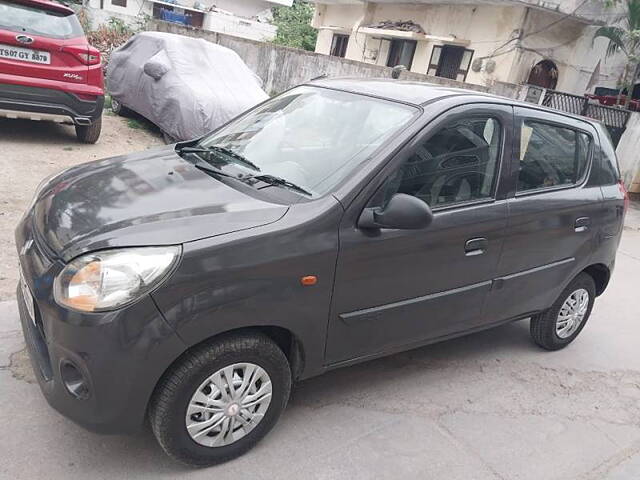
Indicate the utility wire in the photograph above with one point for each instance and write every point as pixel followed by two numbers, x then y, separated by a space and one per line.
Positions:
pixel 521 37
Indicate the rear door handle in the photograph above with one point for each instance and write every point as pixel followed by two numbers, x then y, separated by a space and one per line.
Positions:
pixel 475 246
pixel 582 224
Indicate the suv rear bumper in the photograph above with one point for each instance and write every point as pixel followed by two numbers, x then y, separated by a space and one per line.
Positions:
pixel 35 103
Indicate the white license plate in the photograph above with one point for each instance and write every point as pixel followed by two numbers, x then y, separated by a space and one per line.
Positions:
pixel 28 298
pixel 24 54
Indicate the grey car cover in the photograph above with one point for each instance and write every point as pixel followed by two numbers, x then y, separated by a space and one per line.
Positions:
pixel 187 86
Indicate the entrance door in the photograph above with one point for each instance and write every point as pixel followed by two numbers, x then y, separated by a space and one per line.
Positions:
pixel 450 60
pixel 397 288
pixel 544 74
pixel 401 53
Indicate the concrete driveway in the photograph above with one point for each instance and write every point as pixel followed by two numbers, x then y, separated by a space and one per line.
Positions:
pixel 487 406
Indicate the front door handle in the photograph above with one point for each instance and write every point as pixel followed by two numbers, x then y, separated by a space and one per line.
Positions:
pixel 582 224
pixel 475 246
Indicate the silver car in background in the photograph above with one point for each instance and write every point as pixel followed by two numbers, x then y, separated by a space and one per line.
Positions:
pixel 186 86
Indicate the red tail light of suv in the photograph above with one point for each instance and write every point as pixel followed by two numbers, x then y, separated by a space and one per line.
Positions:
pixel 48 70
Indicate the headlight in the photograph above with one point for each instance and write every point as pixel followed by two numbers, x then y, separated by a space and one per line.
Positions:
pixel 109 279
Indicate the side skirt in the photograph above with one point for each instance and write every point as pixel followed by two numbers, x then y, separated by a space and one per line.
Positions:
pixel 422 343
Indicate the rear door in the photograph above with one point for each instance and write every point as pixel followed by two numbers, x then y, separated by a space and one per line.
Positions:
pixel 553 213
pixel 41 43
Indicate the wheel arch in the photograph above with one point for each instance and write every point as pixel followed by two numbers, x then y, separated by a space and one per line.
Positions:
pixel 284 338
pixel 600 274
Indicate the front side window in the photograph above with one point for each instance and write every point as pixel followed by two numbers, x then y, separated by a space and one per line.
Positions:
pixel 313 137
pixel 36 21
pixel 459 163
pixel 551 156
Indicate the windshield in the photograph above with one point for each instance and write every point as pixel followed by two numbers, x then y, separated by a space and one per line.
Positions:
pixel 312 137
pixel 36 21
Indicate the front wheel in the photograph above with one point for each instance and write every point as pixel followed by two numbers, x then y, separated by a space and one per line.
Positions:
pixel 220 399
pixel 89 133
pixel 558 326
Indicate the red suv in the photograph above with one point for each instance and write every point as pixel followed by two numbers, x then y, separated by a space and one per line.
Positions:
pixel 48 70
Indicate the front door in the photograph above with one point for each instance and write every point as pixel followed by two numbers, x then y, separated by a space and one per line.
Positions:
pixel 553 213
pixel 398 288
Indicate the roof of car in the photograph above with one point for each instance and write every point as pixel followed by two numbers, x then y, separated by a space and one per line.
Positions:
pixel 47 4
pixel 417 93
pixel 420 93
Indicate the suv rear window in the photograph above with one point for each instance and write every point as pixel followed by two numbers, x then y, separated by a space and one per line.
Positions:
pixel 37 21
pixel 551 156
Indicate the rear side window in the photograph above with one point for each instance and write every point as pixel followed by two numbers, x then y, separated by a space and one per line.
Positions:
pixel 551 156
pixel 36 21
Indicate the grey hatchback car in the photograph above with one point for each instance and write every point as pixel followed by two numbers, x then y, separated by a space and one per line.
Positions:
pixel 340 221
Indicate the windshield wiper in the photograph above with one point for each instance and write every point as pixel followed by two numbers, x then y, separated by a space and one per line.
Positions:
pixel 273 180
pixel 209 168
pixel 192 150
pixel 230 153
pixel 224 151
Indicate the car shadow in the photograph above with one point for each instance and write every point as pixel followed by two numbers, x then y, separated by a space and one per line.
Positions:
pixel 44 133
pixel 504 341
pixel 141 454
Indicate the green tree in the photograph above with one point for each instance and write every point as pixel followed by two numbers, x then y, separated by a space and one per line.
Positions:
pixel 294 25
pixel 624 37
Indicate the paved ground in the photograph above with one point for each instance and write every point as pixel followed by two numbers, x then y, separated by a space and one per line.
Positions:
pixel 487 406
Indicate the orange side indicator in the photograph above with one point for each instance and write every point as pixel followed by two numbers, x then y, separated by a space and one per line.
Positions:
pixel 308 280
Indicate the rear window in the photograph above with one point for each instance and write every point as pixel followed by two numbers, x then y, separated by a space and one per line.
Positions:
pixel 36 21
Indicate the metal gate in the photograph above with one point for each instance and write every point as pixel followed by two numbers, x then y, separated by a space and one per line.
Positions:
pixel 614 118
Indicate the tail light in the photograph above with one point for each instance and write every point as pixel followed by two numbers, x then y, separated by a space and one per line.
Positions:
pixel 87 55
pixel 624 192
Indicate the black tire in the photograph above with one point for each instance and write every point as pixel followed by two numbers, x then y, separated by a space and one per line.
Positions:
pixel 168 405
pixel 89 133
pixel 118 108
pixel 543 325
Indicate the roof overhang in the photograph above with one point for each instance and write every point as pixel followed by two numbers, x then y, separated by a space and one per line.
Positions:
pixel 403 35
pixel 590 12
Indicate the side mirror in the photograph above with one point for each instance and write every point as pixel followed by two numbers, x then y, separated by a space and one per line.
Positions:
pixel 157 65
pixel 403 212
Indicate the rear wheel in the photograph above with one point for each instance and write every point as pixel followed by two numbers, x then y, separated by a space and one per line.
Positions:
pixel 118 108
pixel 89 133
pixel 558 326
pixel 220 399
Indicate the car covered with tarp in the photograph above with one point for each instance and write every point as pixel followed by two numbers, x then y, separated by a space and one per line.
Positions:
pixel 186 86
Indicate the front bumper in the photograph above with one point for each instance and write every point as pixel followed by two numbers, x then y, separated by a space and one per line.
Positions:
pixel 120 355
pixel 35 103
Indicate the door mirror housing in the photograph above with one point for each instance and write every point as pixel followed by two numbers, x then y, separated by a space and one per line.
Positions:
pixel 157 66
pixel 403 212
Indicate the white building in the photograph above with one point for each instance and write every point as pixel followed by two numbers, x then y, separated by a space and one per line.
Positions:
pixel 517 41
pixel 241 18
